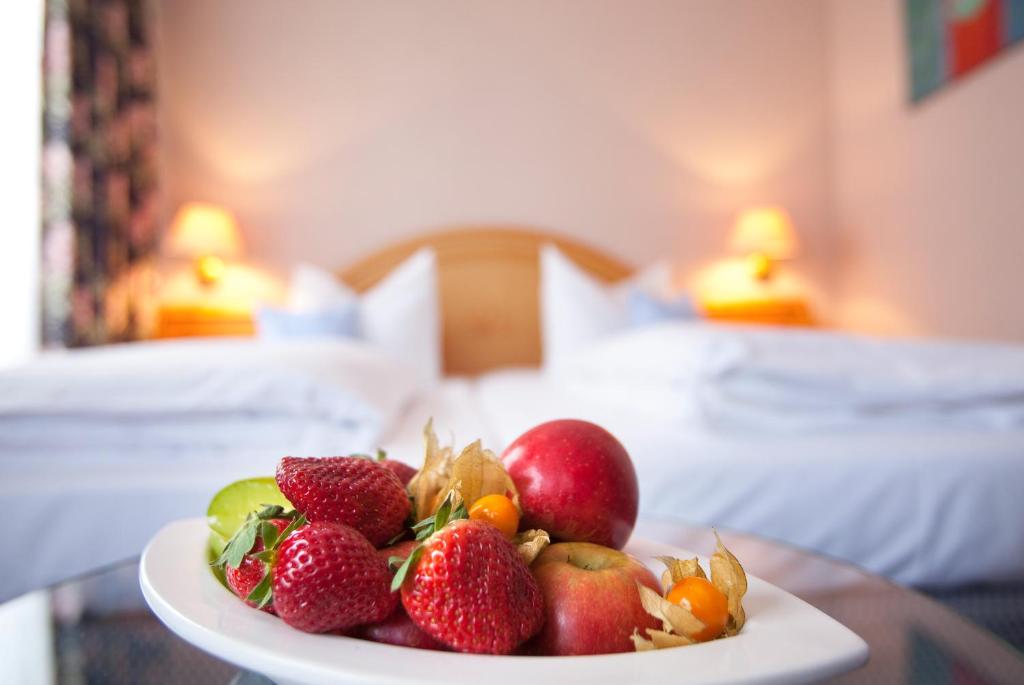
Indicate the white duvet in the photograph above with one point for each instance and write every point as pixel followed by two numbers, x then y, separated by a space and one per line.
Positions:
pixel 923 505
pixel 203 393
pixel 797 381
pixel 155 429
pixel 904 457
pixel 138 435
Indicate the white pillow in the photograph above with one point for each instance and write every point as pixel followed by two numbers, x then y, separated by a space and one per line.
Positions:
pixel 315 289
pixel 399 315
pixel 578 309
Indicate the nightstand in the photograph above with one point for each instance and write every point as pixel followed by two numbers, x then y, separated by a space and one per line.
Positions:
pixel 192 320
pixel 772 311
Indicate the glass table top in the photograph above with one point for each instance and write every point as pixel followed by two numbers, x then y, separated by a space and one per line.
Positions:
pixel 97 629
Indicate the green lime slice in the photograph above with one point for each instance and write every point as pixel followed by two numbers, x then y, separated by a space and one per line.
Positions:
pixel 214 547
pixel 230 506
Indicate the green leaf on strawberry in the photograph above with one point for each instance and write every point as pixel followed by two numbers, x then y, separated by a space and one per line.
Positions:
pixel 257 524
pixel 403 570
pixel 263 527
pixel 262 593
pixel 444 515
pixel 239 544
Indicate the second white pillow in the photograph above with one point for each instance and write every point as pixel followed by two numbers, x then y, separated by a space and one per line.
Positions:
pixel 399 315
pixel 578 310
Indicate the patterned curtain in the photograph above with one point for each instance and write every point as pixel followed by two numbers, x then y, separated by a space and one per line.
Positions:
pixel 99 172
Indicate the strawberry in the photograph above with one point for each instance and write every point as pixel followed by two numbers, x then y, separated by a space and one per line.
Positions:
pixel 328 577
pixel 400 550
pixel 400 469
pixel 245 559
pixel 468 588
pixel 398 629
pixel 244 578
pixel 354 491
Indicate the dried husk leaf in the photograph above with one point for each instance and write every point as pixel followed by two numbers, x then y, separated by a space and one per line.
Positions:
pixel 640 643
pixel 663 640
pixel 477 472
pixel 728 576
pixel 674 618
pixel 426 486
pixel 530 543
pixel 659 639
pixel 680 624
pixel 677 569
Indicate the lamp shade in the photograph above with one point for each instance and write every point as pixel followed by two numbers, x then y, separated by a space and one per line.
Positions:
pixel 200 229
pixel 765 231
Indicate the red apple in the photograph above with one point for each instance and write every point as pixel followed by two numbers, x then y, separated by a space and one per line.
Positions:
pixel 591 601
pixel 575 481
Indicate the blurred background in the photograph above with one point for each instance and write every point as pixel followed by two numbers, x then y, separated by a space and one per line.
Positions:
pixel 887 130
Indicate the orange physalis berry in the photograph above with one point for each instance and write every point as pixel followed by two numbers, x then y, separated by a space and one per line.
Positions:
pixel 497 510
pixel 703 600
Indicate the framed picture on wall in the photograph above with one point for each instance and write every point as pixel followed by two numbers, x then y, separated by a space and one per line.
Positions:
pixel 947 39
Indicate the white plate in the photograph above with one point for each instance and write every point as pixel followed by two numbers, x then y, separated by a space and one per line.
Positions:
pixel 785 639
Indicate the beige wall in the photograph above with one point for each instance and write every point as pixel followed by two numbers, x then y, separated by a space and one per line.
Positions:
pixel 929 198
pixel 334 127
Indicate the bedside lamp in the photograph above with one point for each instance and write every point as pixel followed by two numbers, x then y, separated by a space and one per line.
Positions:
pixel 207 234
pixel 765 235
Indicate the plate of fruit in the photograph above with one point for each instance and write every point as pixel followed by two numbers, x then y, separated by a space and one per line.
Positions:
pixel 474 568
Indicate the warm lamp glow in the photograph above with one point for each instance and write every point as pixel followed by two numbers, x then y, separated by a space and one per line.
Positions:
pixel 765 230
pixel 206 233
pixel 203 229
pixel 764 234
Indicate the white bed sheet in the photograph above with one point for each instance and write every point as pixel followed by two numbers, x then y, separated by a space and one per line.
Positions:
pixel 75 510
pixel 923 507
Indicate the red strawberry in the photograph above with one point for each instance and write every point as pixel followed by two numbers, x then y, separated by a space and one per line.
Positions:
pixel 398 629
pixel 400 550
pixel 403 471
pixel 244 578
pixel 354 491
pixel 328 577
pixel 470 590
pixel 400 469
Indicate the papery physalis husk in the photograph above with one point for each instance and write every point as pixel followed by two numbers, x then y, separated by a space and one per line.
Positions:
pixel 677 569
pixel 674 618
pixel 530 543
pixel 728 576
pixel 475 472
pixel 433 476
pixel 659 639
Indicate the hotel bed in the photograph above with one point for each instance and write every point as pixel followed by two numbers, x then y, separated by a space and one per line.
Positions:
pixel 925 501
pixel 922 506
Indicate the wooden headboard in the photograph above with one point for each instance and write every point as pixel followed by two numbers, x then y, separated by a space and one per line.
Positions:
pixel 488 280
